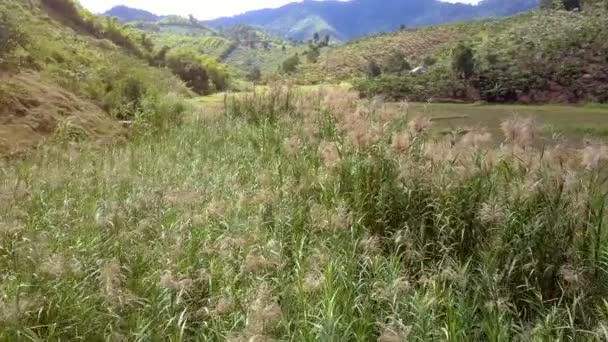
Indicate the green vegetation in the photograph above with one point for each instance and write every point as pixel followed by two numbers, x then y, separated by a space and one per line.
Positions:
pixel 292 216
pixel 538 57
pixel 62 68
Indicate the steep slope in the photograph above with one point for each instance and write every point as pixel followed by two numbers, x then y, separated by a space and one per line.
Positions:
pixel 57 80
pixel 541 56
pixel 356 18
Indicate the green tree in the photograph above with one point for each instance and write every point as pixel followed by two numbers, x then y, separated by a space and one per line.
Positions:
pixel 316 37
pixel 373 69
pixel 290 65
pixel 463 61
pixel 312 55
pixel 395 63
pixel 255 74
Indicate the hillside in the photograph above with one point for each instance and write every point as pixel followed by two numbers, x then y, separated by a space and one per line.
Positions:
pixel 243 47
pixel 59 80
pixel 347 20
pixel 128 14
pixel 542 56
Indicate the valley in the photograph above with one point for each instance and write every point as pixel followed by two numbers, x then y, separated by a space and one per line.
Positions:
pixel 162 178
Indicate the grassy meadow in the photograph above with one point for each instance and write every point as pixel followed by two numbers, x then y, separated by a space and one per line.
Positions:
pixel 311 216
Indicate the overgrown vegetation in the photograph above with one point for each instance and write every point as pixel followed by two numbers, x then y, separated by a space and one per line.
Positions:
pixel 307 216
pixel 538 57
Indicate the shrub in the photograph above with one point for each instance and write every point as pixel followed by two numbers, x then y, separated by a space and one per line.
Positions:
pixel 463 62
pixel 395 63
pixel 290 65
pixel 373 70
pixel 10 37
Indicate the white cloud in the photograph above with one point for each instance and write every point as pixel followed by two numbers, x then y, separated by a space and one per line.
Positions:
pixel 203 9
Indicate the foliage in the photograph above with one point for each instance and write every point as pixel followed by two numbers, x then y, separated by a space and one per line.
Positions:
pixel 395 63
pixel 373 69
pixel 312 225
pixel 254 75
pixel 539 57
pixel 290 65
pixel 463 61
pixel 10 37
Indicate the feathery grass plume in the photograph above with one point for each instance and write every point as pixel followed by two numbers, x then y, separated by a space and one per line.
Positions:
pixel 392 290
pixel 257 263
pixel 476 139
pixel 54 266
pixel 293 145
pixel 370 245
pixel 112 281
pixel 14 310
pixel 216 210
pixel 360 133
pixel 228 247
pixel 224 305
pixel 401 142
pixel 341 218
pixel 492 213
pixel 170 282
pixel 395 332
pixel 419 125
pixel 573 278
pixel 521 132
pixel 440 151
pixel 330 156
pixel 594 155
pixel 264 313
pixel 314 281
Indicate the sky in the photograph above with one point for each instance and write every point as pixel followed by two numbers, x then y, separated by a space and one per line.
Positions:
pixel 201 9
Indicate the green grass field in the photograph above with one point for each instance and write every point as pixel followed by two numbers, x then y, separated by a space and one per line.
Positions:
pixel 294 218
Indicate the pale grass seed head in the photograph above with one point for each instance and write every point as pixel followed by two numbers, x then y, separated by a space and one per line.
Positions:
pixel 476 139
pixel 359 134
pixel 401 142
pixel 341 218
pixel 216 210
pixel 492 213
pixel 293 145
pixel 314 281
pixel 55 266
pixel 225 305
pixel 257 263
pixel 522 132
pixel 265 313
pixel 395 332
pixel 170 282
pixel 419 125
pixel 371 245
pixel 593 156
pixel 330 156
pixel 112 280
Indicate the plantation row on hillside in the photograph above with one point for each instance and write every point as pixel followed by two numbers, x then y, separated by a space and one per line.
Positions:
pixel 542 56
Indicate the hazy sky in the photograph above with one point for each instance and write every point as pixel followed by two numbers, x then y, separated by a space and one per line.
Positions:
pixel 202 9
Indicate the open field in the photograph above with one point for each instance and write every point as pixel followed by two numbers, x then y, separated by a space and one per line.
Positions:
pixel 297 218
pixel 573 123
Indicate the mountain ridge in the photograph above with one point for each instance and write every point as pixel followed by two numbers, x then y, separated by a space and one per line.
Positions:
pixel 347 20
pixel 357 18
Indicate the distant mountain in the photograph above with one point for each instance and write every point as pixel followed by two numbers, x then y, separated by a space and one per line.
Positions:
pixel 126 14
pixel 345 20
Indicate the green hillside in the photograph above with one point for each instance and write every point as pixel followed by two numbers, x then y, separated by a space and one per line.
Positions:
pixel 541 56
pixel 59 76
pixel 243 47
